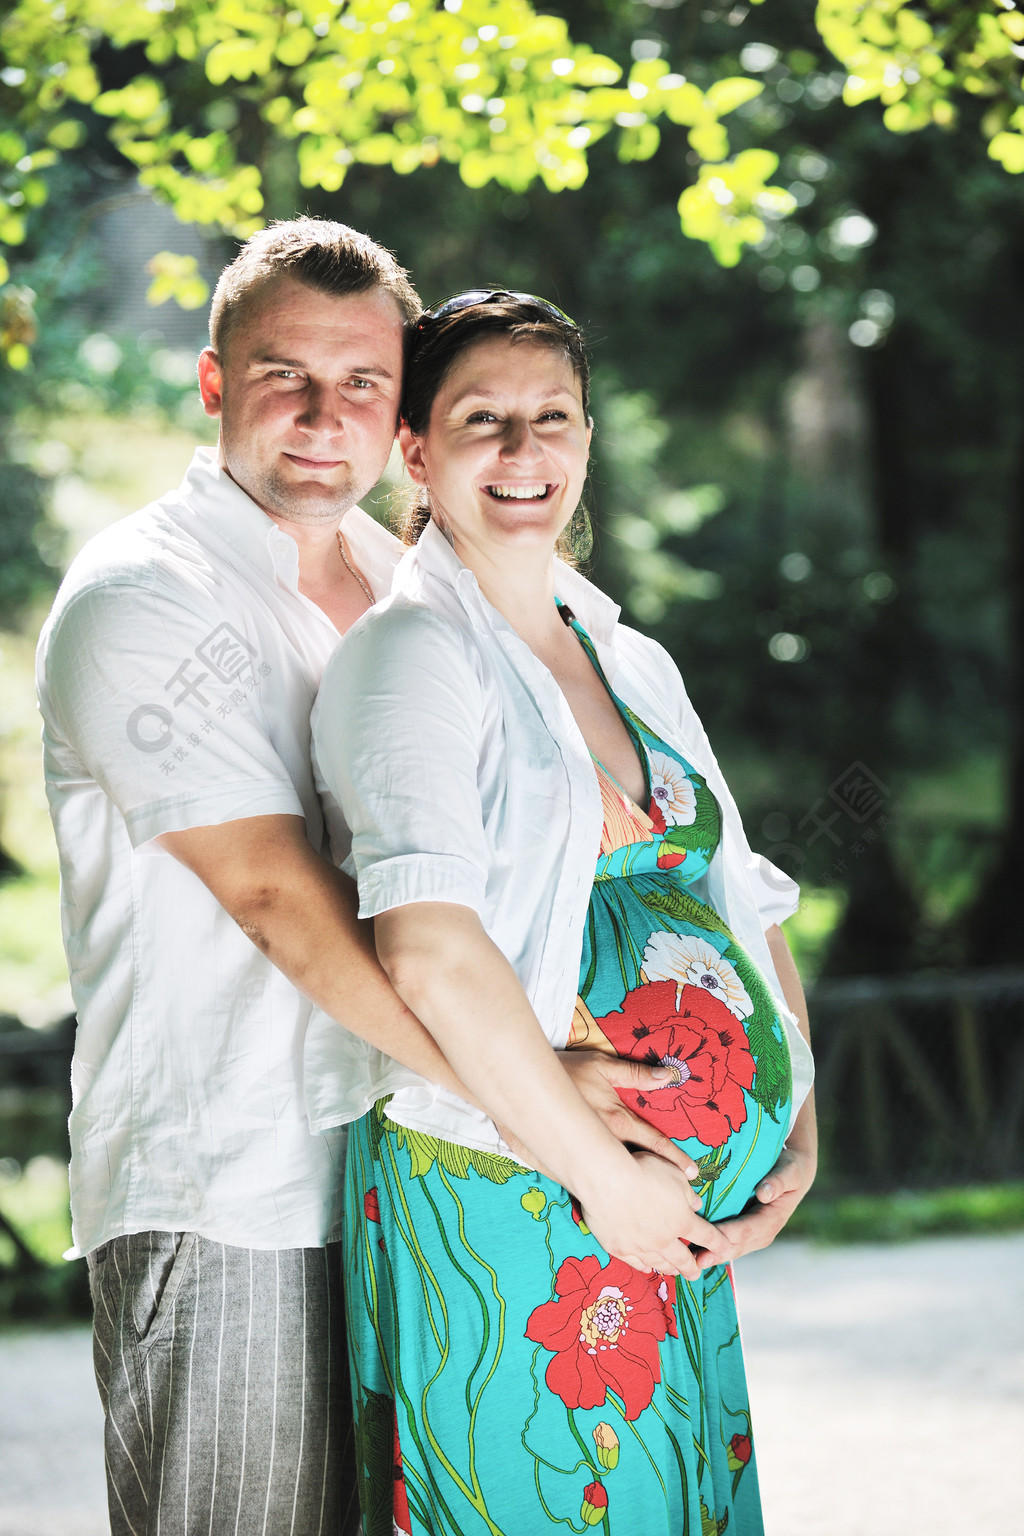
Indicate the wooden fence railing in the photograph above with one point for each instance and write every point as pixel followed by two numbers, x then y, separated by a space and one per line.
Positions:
pixel 920 1078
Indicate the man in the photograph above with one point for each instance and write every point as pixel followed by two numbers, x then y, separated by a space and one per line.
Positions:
pixel 176 676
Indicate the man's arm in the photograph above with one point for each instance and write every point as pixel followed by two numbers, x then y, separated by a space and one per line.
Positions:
pixel 300 911
pixel 781 1190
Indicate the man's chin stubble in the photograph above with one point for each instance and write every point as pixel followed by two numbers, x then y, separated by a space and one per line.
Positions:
pixel 309 504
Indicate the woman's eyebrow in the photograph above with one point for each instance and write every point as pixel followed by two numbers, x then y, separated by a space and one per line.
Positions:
pixel 480 392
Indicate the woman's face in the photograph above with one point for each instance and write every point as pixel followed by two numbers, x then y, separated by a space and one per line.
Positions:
pixel 505 453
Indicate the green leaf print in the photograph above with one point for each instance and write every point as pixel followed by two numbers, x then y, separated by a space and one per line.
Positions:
pixel 674 902
pixel 374 1442
pixel 379 1123
pixel 711 1167
pixel 424 1151
pixel 773 1080
pixel 709 1525
pixel 705 830
pixel 637 724
pixel 490 1166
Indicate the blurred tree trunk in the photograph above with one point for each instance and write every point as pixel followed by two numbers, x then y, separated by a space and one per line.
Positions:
pixel 879 928
pixel 995 926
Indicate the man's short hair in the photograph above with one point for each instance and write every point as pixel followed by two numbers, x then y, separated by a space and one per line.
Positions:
pixel 330 257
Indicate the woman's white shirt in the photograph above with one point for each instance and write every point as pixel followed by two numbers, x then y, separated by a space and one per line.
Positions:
pixel 452 770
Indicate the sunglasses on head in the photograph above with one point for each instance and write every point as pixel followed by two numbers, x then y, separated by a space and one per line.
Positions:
pixel 457 301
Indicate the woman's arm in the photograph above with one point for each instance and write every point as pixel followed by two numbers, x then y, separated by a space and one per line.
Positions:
pixel 458 983
pixel 781 1190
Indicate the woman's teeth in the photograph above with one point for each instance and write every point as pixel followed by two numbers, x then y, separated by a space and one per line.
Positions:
pixel 519 492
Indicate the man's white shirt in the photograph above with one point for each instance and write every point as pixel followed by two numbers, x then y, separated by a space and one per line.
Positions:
pixel 176 676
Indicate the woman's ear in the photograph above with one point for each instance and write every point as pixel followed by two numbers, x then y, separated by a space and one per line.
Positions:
pixel 412 452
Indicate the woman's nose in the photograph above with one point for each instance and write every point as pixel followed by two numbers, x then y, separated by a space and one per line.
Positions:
pixel 520 442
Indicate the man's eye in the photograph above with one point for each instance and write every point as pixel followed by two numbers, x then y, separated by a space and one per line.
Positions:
pixel 284 373
pixel 358 383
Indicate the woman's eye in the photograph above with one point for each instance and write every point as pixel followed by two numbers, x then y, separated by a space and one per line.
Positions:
pixel 482 417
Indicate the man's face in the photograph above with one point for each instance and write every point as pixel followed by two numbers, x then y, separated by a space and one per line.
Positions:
pixel 307 393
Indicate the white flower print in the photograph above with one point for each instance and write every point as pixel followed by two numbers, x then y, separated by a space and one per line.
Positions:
pixel 692 962
pixel 672 791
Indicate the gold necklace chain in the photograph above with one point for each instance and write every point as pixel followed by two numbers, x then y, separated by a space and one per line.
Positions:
pixel 341 545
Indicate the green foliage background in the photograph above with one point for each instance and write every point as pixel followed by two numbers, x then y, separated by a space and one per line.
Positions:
pixel 796 248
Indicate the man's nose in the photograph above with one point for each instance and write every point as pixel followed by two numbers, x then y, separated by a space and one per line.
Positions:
pixel 321 409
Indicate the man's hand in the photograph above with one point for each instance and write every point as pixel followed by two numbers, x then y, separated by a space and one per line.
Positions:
pixel 596 1075
pixel 779 1194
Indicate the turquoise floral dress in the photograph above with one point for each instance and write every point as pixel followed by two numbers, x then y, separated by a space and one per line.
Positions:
pixel 509 1376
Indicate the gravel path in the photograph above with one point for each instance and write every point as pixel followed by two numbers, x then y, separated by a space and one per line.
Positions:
pixel 887 1387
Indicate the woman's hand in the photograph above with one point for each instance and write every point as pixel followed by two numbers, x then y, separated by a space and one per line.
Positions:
pixel 779 1193
pixel 597 1076
pixel 646 1216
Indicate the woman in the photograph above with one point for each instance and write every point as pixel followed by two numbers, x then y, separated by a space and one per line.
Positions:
pixel 552 859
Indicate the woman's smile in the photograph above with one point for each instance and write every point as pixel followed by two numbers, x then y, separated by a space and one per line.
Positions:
pixel 519 492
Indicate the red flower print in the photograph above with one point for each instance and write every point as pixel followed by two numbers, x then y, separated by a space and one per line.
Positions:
pixel 655 813
pixel 371 1205
pixel 737 1452
pixel 694 1031
pixel 595 1502
pixel 604 1328
pixel 671 858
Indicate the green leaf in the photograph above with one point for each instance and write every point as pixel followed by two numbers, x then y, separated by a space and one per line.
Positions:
pixel 685 104
pixel 176 277
pixel 639 143
pixel 1008 149
pixel 726 95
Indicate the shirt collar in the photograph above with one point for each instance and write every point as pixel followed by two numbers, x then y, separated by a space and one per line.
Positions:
pixel 222 506
pixel 434 556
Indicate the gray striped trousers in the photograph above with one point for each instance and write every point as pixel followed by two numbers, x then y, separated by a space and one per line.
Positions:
pixel 224 1380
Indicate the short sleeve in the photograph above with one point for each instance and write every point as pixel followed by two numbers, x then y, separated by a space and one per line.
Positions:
pixel 126 700
pixel 396 741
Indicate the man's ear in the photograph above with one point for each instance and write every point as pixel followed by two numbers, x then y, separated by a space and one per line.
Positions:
pixel 211 382
pixel 412 452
